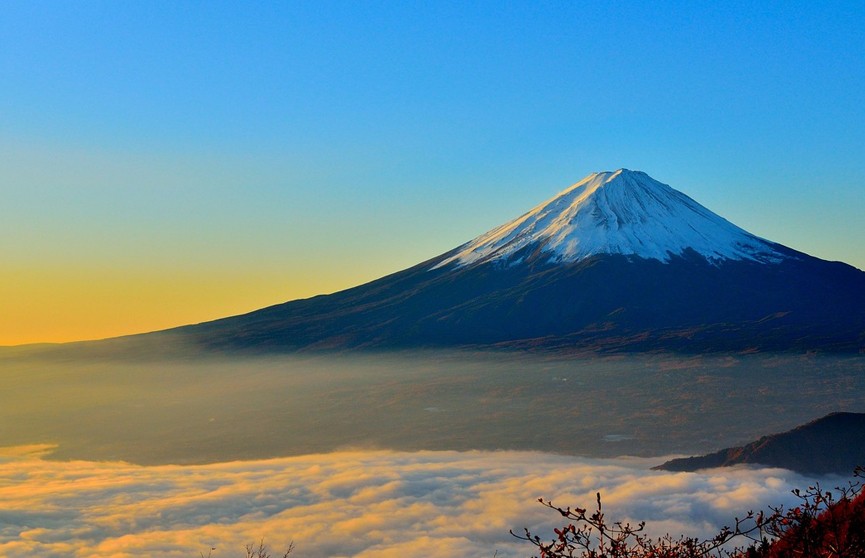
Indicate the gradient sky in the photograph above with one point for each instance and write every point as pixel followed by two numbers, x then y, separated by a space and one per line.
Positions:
pixel 163 163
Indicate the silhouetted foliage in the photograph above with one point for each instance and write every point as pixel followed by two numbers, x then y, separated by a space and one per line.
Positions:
pixel 591 535
pixel 825 524
pixel 260 551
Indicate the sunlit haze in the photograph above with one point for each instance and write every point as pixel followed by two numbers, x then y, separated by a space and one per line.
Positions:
pixel 417 453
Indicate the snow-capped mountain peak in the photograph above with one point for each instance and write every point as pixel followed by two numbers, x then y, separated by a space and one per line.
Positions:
pixel 622 212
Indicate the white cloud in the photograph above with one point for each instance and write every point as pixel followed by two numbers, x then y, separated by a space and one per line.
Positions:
pixel 361 504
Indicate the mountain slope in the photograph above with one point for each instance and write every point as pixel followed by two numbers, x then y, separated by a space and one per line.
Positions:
pixel 604 303
pixel 616 262
pixel 832 444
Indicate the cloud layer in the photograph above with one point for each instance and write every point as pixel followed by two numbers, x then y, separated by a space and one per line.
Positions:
pixel 360 504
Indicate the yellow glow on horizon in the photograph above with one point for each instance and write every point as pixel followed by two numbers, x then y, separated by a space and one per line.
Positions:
pixel 49 305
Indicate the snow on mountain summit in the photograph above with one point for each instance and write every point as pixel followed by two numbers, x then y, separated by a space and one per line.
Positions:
pixel 623 212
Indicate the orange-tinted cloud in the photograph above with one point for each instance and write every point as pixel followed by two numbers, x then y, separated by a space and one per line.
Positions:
pixel 350 503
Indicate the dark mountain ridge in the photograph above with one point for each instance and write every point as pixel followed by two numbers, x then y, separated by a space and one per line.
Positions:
pixel 832 444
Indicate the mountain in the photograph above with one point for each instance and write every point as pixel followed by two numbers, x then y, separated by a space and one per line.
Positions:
pixel 616 262
pixel 832 444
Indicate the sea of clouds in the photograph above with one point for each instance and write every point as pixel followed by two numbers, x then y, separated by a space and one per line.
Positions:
pixel 363 504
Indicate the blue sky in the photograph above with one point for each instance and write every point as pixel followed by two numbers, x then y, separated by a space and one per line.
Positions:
pixel 169 162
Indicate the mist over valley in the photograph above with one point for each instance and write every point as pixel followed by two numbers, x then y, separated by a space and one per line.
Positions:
pixel 206 409
pixel 431 452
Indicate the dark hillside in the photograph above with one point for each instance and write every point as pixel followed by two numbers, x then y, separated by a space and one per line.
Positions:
pixel 832 444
